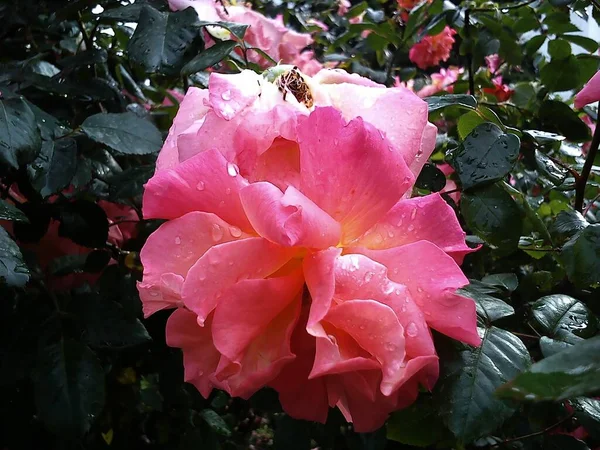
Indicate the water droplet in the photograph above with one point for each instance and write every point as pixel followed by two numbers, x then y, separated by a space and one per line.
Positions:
pixel 226 95
pixel 411 227
pixel 332 339
pixel 178 240
pixel 388 289
pixel 419 289
pixel 399 223
pixel 389 346
pixel 390 233
pixel 412 329
pixel 362 327
pixel 217 232
pixel 368 276
pixel 235 232
pixel 153 294
pixel 200 186
pixel 232 170
pixel 398 292
pixel 378 238
pixel 413 214
pixel 228 191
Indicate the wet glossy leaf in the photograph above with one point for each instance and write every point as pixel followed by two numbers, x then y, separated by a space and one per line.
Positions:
pixel 9 211
pixel 431 178
pixel 418 425
pixel 54 167
pixel 559 313
pixel 439 102
pixel 581 257
pixel 20 139
pixel 209 57
pixel 587 411
pixel 13 270
pixel 215 422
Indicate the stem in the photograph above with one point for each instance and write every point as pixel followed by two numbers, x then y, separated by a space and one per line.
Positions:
pixel 565 166
pixel 536 433
pixel 596 4
pixel 469 54
pixel 88 42
pixel 529 336
pixel 503 8
pixel 590 204
pixel 587 169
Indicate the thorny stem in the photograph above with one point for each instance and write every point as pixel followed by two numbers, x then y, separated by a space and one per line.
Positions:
pixel 536 433
pixel 585 172
pixel 565 166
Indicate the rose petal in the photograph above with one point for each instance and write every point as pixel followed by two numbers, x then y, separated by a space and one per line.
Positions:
pixel 590 92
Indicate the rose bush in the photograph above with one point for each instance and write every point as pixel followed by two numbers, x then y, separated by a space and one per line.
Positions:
pixel 293 251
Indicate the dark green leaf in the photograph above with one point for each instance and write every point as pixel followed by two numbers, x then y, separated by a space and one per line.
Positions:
pixel 69 387
pixel 13 270
pixel 419 425
pixel 558 313
pixel 560 118
pixel 215 422
pixel 84 222
pixel 492 214
pixel 544 137
pixel 508 281
pixel 436 103
pixel 129 184
pixel 489 308
pixel 469 379
pixel 9 211
pixel 588 44
pixel 85 58
pixel 125 133
pixel 209 57
pixel 559 48
pixel 563 441
pixel 291 434
pixel 561 74
pixel 561 3
pixel 570 373
pixel 534 44
pixel 20 138
pixel 567 224
pixel 550 346
pixel 54 167
pixel 161 39
pixel 587 411
pixel 237 29
pixel 581 257
pixel 431 178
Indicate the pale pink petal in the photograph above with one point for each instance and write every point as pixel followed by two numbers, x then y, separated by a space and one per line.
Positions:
pixel 289 219
pixel 264 358
pixel 206 182
pixel 232 93
pixel 191 109
pixel 221 267
pixel 432 278
pixel 375 328
pixel 246 310
pixel 358 179
pixel 590 92
pixel 200 357
pixel 211 133
pixel 171 250
pixel 426 148
pixel 427 218
pixel 338 76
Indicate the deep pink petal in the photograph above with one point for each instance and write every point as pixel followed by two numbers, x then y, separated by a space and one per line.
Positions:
pixel 432 278
pixel 427 218
pixel 590 92
pixel 200 357
pixel 221 267
pixel 246 310
pixel 349 169
pixel 171 250
pixel 289 219
pixel 206 182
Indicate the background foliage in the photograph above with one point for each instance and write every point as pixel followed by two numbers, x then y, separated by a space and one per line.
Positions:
pixel 89 89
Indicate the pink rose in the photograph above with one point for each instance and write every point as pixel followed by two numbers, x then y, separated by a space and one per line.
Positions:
pixel 343 7
pixel 293 252
pixel 269 35
pixel 493 63
pixel 122 222
pixel 590 92
pixel 432 50
pixel 409 4
pixel 500 90
pixel 592 126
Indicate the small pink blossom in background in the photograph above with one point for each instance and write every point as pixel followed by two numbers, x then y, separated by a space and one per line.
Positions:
pixel 318 23
pixel 500 90
pixel 441 81
pixel 270 35
pixel 493 63
pixel 343 7
pixel 432 50
pixel 451 185
pixel 590 92
pixel 293 254
pixel 122 221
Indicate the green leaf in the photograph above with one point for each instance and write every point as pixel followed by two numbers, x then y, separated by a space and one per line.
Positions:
pixel 419 425
pixel 209 57
pixel 508 281
pixel 486 155
pixel 558 117
pixel 54 167
pixel 550 346
pixel 431 178
pixel 125 133
pixel 587 411
pixel 104 323
pixel 438 102
pixel 489 308
pixel 561 74
pixel 69 387
pixel 20 139
pixel 237 29
pixel 492 214
pixel 13 270
pixel 468 122
pixel 581 257
pixel 84 222
pixel 291 434
pixel 85 58
pixel 588 44
pixel 470 378
pixel 559 313
pixel 129 184
pixel 570 373
pixel 567 224
pixel 534 44
pixel 561 3
pixel 161 40
pixel 559 48
pixel 9 211
pixel 215 422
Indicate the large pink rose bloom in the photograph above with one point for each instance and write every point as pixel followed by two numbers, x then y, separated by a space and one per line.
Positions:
pixel 432 50
pixel 293 253
pixel 590 92
pixel 269 35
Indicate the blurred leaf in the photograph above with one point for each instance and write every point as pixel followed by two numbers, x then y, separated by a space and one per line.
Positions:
pixel 161 40
pixel 550 346
pixel 468 122
pixel 418 425
pixel 291 434
pixel 20 139
pixel 561 74
pixel 508 281
pixel 567 224
pixel 559 48
pixel 563 441
pixel 69 387
pixel 560 313
pixel 587 411
pixel 431 178
pixel 84 222
pixel 10 212
pixel 570 373
pixel 85 58
pixel 55 166
pixel 438 102
pixel 215 422
pixel 486 155
pixel 209 57
pixel 492 214
pixel 560 118
pixel 469 379
pixel 588 44
pixel 581 257
pixel 129 184
pixel 125 133
pixel 13 270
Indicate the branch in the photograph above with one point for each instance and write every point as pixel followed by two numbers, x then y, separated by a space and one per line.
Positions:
pixel 587 169
pixel 536 433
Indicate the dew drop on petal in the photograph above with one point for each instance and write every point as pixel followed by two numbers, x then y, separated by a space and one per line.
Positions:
pixel 235 232
pixel 217 232
pixel 362 327
pixel 232 170
pixel 228 191
pixel 413 214
pixel 412 330
pixel 390 347
pixel 368 276
pixel 388 289
pixel 411 227
pixel 226 95
pixel 419 289
pixel 178 240
pixel 399 223
pixel 200 186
